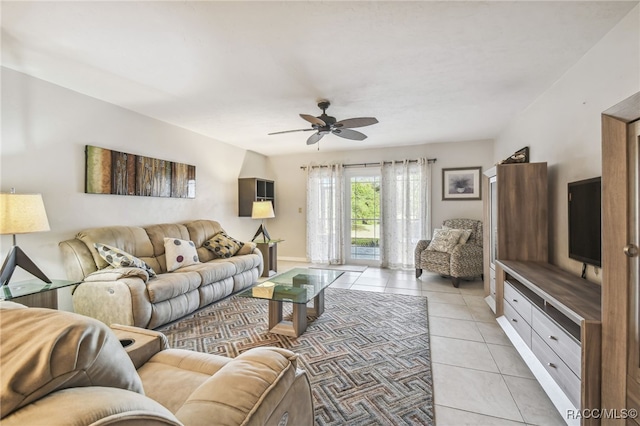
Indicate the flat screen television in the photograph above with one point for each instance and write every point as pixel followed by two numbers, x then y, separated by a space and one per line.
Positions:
pixel 585 221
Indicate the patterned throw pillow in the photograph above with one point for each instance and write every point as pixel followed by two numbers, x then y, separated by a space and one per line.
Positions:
pixel 121 259
pixel 445 240
pixel 223 245
pixel 179 253
pixel 464 237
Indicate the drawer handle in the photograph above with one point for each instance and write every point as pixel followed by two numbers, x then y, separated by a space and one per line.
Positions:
pixel 515 300
pixel 553 338
pixel 514 320
pixel 552 365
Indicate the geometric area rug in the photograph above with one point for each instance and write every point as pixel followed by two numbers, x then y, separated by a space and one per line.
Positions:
pixel 367 356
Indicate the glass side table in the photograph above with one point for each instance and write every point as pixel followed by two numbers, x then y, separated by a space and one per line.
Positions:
pixel 35 292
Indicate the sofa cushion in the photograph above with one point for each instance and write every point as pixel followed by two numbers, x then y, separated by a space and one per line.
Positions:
pixel 157 234
pixel 179 253
pixel 202 230
pixel 167 286
pixel 121 259
pixel 63 350
pixel 242 263
pixel 172 375
pixel 212 272
pixel 223 245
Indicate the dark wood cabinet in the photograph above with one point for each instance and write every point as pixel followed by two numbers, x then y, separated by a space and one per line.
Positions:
pixel 254 189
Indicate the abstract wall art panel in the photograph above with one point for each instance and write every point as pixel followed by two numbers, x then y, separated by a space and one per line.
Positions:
pixel 114 172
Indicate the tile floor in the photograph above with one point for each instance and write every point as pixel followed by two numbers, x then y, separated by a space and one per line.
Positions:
pixel 479 378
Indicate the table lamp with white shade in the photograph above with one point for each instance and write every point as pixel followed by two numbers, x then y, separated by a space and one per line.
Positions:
pixel 262 210
pixel 21 214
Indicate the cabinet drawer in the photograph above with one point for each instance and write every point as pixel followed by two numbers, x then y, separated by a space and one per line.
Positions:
pixel 518 301
pixel 557 339
pixel 563 376
pixel 518 323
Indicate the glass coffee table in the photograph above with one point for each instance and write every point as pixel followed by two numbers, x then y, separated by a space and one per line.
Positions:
pixel 298 286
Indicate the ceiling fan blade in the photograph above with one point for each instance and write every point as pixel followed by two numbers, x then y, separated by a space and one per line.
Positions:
pixel 349 134
pixel 291 131
pixel 350 123
pixel 313 120
pixel 314 138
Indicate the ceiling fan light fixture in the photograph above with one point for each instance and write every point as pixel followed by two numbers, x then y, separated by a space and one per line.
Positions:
pixel 325 124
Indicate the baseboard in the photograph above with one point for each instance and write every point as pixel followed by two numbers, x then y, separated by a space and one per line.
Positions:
pixel 293 259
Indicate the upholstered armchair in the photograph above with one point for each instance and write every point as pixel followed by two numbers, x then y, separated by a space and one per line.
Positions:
pixel 450 252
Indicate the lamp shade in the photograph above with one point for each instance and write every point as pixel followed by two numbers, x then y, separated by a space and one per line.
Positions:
pixel 262 210
pixel 22 213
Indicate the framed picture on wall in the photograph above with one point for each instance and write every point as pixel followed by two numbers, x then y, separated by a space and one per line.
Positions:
pixel 461 183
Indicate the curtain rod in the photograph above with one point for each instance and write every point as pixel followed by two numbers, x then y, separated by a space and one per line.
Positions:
pixel 429 160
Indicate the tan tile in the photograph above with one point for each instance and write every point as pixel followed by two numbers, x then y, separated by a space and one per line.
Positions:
pixel 463 353
pixel 509 361
pixel 471 300
pixel 393 283
pixel 476 391
pixel 448 310
pixel 440 297
pixel 534 404
pixel 492 333
pixel 447 416
pixel 380 282
pixel 405 291
pixel 482 313
pixel 457 329
pixel 345 285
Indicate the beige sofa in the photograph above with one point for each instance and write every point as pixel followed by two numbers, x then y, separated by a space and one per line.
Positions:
pixel 129 296
pixel 61 368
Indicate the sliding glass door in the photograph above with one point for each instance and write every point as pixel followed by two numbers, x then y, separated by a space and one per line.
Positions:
pixel 362 216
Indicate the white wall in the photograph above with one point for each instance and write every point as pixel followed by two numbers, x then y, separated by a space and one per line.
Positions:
pixel 290 224
pixel 44 131
pixel 563 126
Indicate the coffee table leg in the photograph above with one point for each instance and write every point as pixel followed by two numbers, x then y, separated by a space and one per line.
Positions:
pixel 275 313
pixel 299 318
pixel 318 305
pixel 292 328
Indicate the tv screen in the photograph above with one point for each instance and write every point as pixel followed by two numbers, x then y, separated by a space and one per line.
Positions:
pixel 584 221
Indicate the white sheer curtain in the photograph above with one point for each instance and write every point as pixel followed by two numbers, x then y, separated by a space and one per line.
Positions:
pixel 325 214
pixel 406 210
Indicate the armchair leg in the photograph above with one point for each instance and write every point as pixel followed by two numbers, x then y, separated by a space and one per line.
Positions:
pixel 455 281
pixel 418 272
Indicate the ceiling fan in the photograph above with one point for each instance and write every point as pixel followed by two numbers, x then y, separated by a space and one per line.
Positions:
pixel 325 124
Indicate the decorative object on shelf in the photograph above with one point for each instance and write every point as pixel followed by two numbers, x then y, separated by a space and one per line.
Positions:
pixel 21 214
pixel 520 156
pixel 461 183
pixel 262 210
pixel 119 173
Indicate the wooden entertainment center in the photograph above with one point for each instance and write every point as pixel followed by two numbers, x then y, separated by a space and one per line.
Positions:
pixel 552 318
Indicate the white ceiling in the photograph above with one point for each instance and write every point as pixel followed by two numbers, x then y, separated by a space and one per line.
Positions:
pixel 235 71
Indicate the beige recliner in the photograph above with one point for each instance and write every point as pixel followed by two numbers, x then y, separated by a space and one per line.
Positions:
pixel 61 368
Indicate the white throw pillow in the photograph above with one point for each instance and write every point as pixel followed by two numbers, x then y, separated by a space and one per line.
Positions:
pixel 179 253
pixel 444 240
